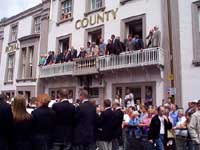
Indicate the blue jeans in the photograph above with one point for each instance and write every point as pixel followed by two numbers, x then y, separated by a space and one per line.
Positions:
pixel 160 142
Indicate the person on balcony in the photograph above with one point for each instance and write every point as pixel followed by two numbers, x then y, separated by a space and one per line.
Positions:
pixel 149 38
pixel 82 53
pixel 138 43
pixel 68 56
pixel 109 48
pixel 88 49
pixel 95 49
pixel 156 37
pixel 73 53
pixel 129 43
pixel 102 47
pixel 59 57
pixel 116 45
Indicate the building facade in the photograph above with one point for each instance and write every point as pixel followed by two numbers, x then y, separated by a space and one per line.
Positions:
pixel 150 74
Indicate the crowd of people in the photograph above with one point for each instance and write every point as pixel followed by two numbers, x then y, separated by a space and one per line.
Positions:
pixel 99 48
pixel 83 125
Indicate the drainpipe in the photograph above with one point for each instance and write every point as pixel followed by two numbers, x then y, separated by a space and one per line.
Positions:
pixel 170 42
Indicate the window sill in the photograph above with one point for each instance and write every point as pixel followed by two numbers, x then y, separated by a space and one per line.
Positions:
pixel 124 1
pixel 196 62
pixel 25 80
pixel 8 82
pixel 63 21
pixel 95 10
pixel 12 42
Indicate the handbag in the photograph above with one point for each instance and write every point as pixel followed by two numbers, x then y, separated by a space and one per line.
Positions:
pixel 171 134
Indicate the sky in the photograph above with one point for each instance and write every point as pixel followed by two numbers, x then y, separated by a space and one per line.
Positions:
pixel 9 8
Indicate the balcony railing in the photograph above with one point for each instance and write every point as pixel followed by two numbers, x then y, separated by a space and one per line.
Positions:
pixel 86 66
pixel 153 56
pixel 57 70
pixel 91 65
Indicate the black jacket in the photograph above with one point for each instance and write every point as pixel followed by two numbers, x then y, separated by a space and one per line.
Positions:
pixel 85 120
pixel 118 119
pixel 105 125
pixel 117 47
pixel 6 125
pixel 43 127
pixel 154 131
pixel 23 134
pixel 65 113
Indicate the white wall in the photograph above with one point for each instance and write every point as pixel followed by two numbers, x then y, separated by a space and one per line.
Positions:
pixel 190 73
pixel 24 29
pixel 152 9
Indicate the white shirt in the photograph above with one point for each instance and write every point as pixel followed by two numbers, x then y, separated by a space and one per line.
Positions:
pixel 51 103
pixel 126 118
pixel 180 122
pixel 130 96
pixel 85 100
pixel 162 125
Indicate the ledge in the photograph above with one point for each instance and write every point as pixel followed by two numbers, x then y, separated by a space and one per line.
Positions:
pixel 196 62
pixel 63 21
pixel 8 82
pixel 124 1
pixel 12 42
pixel 25 80
pixel 32 36
pixel 95 10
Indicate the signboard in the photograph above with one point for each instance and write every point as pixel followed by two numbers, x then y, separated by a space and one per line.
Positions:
pixel 171 77
pixel 96 19
pixel 12 47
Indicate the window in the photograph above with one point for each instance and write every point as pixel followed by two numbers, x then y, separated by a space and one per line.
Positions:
pixel 31 49
pixel 66 9
pixel 13 33
pixel 10 67
pixel 96 4
pixel 23 63
pixel 37 22
pixel 196 32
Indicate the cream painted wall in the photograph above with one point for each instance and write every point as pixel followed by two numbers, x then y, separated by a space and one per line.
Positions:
pixel 152 9
pixel 190 73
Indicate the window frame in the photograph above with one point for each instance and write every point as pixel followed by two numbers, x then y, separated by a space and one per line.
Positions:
pixel 8 68
pixel 36 25
pixel 11 31
pixel 60 13
pixel 89 10
pixel 195 6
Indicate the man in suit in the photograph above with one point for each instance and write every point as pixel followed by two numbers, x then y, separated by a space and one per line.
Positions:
pixel 6 124
pixel 105 126
pixel 117 46
pixel 73 53
pixel 156 37
pixel 158 129
pixel 85 124
pixel 118 119
pixel 65 113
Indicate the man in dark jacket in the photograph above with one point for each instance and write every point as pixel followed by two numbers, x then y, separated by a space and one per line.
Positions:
pixel 117 46
pixel 6 124
pixel 106 126
pixel 65 113
pixel 118 119
pixel 85 124
pixel 158 129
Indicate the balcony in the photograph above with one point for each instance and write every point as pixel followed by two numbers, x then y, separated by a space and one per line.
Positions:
pixel 146 57
pixel 93 65
pixel 57 70
pixel 86 66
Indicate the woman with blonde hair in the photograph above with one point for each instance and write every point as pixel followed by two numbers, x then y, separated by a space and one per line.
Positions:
pixel 22 124
pixel 43 123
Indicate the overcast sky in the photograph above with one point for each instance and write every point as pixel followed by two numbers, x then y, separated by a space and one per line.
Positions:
pixel 9 8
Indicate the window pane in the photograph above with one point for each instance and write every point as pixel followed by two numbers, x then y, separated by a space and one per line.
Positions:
pixel 66 9
pixel 10 67
pixel 95 4
pixel 37 23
